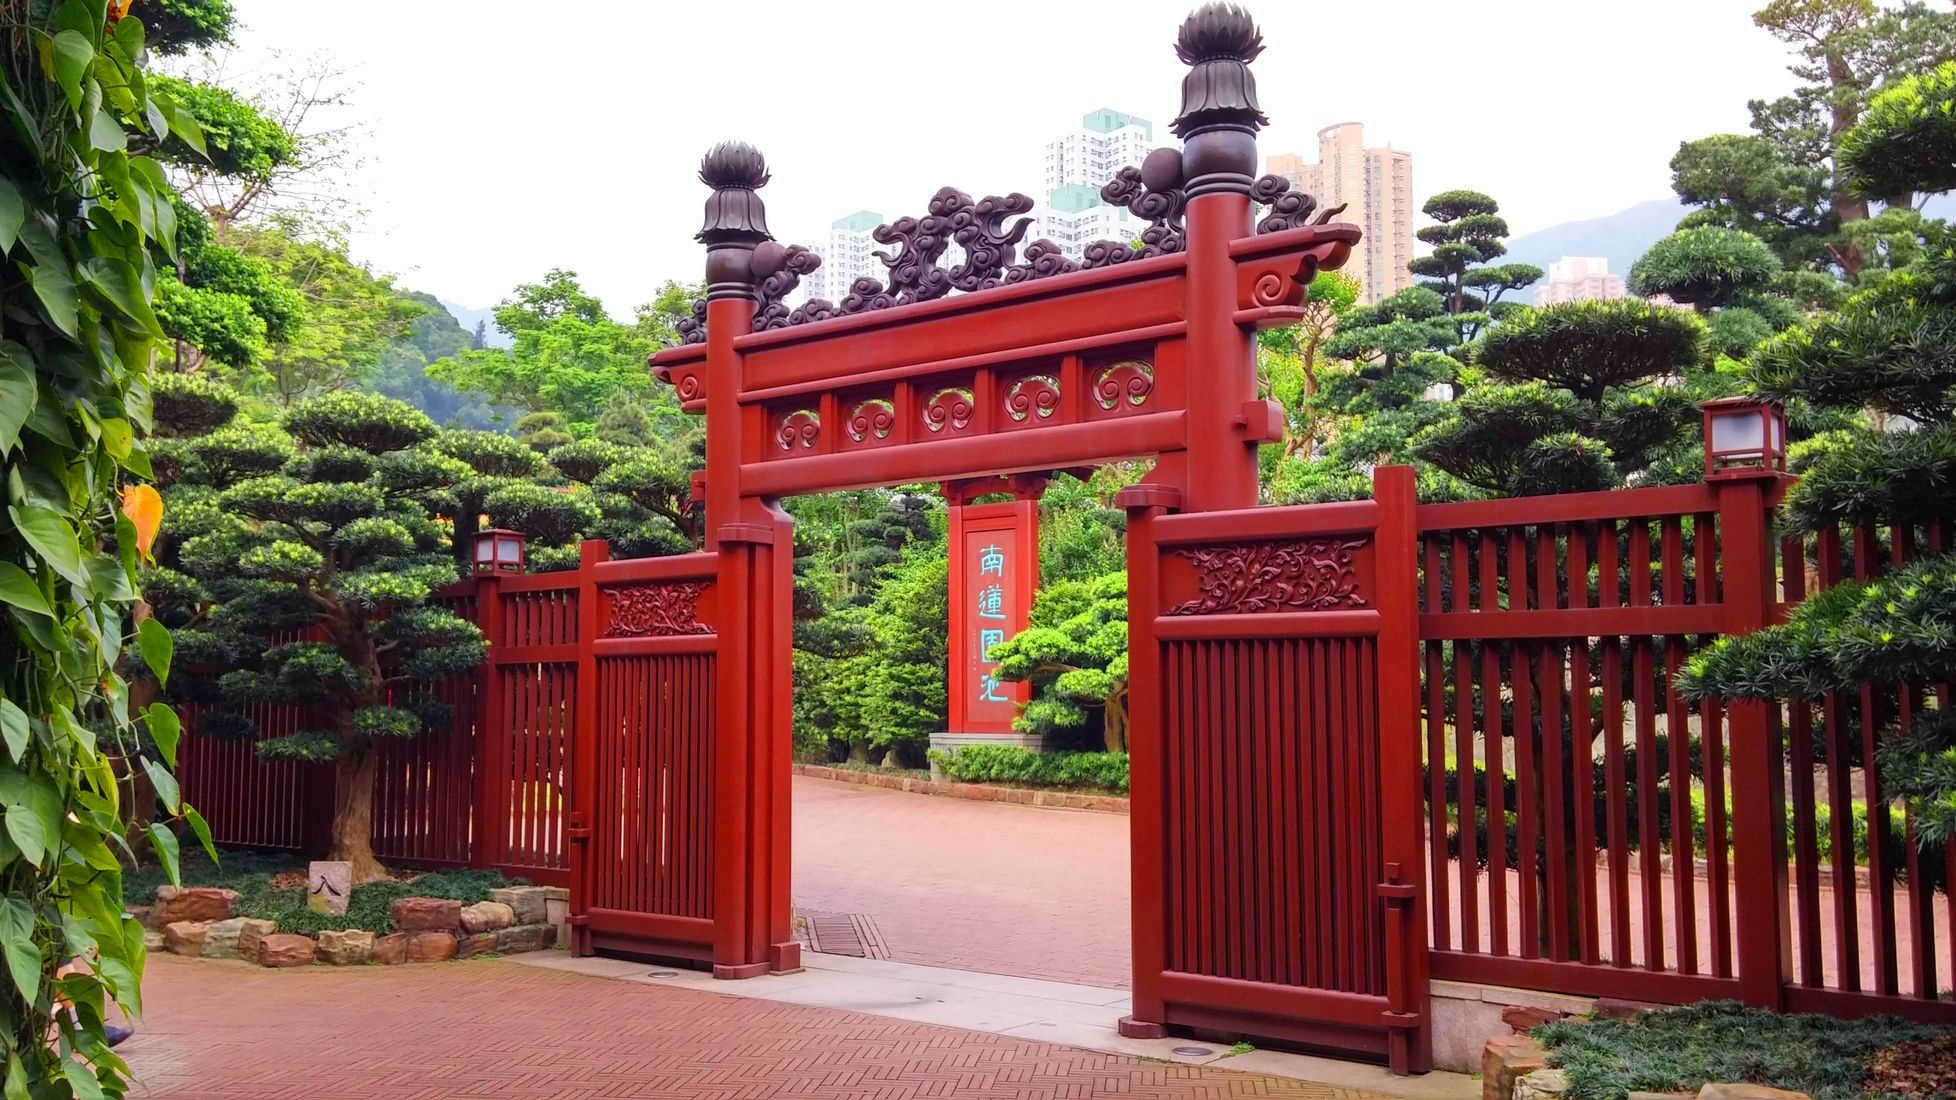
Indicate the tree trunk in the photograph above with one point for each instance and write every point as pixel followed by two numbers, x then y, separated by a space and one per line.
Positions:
pixel 1113 720
pixel 1847 206
pixel 858 752
pixel 353 811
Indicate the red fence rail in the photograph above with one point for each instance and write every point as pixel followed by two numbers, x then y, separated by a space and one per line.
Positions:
pixel 1589 832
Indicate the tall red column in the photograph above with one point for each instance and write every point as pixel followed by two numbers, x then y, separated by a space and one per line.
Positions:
pixel 753 671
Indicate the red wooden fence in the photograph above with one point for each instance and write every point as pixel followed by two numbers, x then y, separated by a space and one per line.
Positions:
pixel 1588 831
pixel 1585 830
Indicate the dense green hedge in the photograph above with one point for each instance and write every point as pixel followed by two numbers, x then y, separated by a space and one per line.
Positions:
pixel 1105 771
pixel 1682 1049
pixel 250 874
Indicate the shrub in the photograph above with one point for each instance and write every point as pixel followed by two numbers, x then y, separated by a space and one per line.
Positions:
pixel 1683 1048
pixel 1105 771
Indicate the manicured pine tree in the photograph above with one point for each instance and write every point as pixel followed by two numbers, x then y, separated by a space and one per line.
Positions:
pixel 302 573
pixel 1890 350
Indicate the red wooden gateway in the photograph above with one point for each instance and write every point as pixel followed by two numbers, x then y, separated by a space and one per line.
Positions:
pixel 1326 702
pixel 1267 900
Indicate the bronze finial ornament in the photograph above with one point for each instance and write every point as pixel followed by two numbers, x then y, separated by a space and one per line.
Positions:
pixel 1220 116
pixel 736 218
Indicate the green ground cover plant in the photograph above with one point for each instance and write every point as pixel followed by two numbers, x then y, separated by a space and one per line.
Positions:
pixel 1682 1049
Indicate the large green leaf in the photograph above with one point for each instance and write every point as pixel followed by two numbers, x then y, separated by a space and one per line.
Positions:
pixel 154 642
pixel 122 285
pixel 14 729
pixel 202 828
pixel 72 54
pixel 23 954
pixel 19 589
pixel 106 134
pixel 164 729
pixel 82 1080
pixel 54 285
pixel 17 397
pixel 166 786
pixel 24 828
pixel 165 843
pixel 52 537
pixel 13 211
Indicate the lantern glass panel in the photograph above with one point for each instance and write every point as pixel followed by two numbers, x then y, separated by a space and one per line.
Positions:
pixel 507 550
pixel 482 549
pixel 1738 433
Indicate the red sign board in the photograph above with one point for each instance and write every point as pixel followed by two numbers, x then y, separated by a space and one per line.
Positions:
pixel 994 569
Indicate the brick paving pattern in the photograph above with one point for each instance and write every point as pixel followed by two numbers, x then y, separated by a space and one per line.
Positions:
pixel 1004 889
pixel 485 1028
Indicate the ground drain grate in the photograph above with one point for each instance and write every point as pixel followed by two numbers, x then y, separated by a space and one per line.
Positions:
pixel 852 934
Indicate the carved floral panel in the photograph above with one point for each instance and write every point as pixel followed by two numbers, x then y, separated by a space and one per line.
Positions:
pixel 656 609
pixel 1250 578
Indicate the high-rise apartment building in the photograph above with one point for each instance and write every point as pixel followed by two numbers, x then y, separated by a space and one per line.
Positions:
pixel 1376 187
pixel 1106 142
pixel 1580 279
pixel 848 255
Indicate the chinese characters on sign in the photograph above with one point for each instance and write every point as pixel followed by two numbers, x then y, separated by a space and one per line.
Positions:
pixel 991 596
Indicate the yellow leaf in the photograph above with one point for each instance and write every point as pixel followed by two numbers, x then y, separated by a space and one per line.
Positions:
pixel 144 507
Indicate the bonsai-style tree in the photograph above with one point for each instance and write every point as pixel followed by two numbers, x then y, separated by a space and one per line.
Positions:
pixel 1466 241
pixel 1891 349
pixel 1579 410
pixel 1385 335
pixel 305 581
pixel 1074 653
pixel 1705 267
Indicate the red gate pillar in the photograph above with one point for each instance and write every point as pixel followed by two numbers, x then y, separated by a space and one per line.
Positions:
pixel 753 731
pixel 491 829
pixel 1764 932
pixel 1217 165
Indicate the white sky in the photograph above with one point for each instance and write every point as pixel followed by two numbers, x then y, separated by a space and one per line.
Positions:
pixel 509 137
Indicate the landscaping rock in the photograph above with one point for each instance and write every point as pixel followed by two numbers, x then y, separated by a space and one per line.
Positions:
pixel 430 947
pixel 426 915
pixel 221 939
pixel 154 941
pixel 349 947
pixel 1748 1092
pixel 528 903
pixel 329 883
pixel 487 916
pixel 252 933
pixel 1505 1059
pixel 285 949
pixel 185 937
pixel 195 903
pixel 1660 1095
pixel 1542 1084
pixel 480 943
pixel 1610 1008
pixel 525 937
pixel 391 950
pixel 1526 1018
pixel 142 915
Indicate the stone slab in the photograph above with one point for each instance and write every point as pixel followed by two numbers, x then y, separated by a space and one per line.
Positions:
pixel 1505 1059
pixel 348 947
pixel 329 885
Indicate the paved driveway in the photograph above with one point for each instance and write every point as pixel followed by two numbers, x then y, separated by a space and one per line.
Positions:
pixel 496 1028
pixel 1033 892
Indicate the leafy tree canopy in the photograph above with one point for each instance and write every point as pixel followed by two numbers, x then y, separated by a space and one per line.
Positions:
pixel 1705 267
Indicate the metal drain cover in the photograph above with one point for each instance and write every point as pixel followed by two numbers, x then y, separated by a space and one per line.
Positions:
pixel 663 974
pixel 1194 1052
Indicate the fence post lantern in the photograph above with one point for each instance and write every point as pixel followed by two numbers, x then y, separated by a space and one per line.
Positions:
pixel 1744 437
pixel 498 550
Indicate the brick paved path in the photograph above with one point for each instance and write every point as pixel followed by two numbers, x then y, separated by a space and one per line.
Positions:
pixel 1019 890
pixel 491 1028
